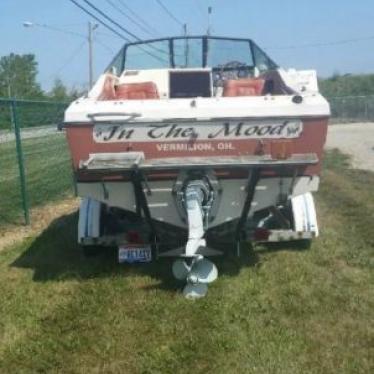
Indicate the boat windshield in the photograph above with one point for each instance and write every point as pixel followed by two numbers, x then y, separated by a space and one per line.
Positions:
pixel 220 54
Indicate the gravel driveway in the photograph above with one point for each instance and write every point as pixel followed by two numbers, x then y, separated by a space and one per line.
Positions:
pixel 27 133
pixel 355 139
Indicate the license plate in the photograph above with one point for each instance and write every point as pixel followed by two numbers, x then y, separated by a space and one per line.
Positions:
pixel 134 253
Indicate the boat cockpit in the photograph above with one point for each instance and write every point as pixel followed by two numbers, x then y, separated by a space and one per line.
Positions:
pixel 191 67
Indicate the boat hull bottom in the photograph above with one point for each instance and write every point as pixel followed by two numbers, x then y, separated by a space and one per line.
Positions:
pixel 231 196
pixel 282 209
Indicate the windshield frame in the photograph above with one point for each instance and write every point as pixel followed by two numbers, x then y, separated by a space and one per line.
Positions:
pixel 205 45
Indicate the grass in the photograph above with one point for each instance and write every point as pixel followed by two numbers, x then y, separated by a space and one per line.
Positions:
pixel 48 175
pixel 275 311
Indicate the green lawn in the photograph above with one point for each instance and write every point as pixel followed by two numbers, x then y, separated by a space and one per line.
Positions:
pixel 279 310
pixel 48 175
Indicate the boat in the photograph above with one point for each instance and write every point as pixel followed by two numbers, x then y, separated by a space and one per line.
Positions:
pixel 190 147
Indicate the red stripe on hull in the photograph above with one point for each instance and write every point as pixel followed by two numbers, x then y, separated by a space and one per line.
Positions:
pixel 312 140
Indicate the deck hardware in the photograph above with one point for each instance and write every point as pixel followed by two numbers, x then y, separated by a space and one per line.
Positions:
pixel 297 99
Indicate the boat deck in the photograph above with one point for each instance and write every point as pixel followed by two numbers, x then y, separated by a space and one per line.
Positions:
pixel 107 162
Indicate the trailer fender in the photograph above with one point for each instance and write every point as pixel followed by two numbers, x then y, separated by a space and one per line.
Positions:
pixel 89 221
pixel 304 214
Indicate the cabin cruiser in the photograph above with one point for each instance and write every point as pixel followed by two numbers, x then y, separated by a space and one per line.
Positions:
pixel 190 146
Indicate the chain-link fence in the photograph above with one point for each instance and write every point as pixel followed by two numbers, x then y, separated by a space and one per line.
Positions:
pixel 352 109
pixel 34 160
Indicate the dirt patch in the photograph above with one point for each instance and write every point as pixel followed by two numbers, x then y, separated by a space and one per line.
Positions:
pixel 41 218
pixel 356 140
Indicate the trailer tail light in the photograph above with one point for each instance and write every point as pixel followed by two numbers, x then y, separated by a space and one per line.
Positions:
pixel 261 234
pixel 134 237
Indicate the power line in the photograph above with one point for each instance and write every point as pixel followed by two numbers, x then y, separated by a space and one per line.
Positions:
pixel 140 19
pixel 99 20
pixel 112 29
pixel 141 27
pixel 71 57
pixel 105 34
pixel 104 45
pixel 171 15
pixel 127 31
pixel 111 20
pixel 135 22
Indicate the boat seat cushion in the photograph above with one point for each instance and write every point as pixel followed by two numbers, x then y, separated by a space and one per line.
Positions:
pixel 137 91
pixel 243 87
pixel 108 92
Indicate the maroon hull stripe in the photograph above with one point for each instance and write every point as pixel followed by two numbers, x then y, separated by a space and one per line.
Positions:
pixel 311 140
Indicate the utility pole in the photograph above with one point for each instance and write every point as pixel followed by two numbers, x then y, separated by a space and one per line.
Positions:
pixel 91 28
pixel 186 49
pixel 90 55
pixel 210 9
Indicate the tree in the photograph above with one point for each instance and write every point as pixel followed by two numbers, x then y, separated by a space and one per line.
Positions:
pixel 348 85
pixel 18 76
pixel 59 91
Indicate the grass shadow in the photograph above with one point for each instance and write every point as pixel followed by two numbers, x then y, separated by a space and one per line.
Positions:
pixel 54 255
pixel 289 246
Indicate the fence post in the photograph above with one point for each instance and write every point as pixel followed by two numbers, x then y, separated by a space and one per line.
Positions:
pixel 21 165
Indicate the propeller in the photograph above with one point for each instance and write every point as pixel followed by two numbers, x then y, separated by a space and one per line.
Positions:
pixel 202 271
pixel 198 275
pixel 180 269
pixel 196 270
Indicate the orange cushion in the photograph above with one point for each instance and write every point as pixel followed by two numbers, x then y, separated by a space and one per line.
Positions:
pixel 243 87
pixel 137 91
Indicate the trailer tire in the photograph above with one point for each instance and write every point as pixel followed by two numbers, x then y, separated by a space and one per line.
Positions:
pixel 90 251
pixel 305 244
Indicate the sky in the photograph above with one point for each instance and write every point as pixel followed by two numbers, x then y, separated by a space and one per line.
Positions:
pixel 331 36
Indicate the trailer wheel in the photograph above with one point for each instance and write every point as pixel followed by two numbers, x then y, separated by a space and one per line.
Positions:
pixel 90 251
pixel 304 244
